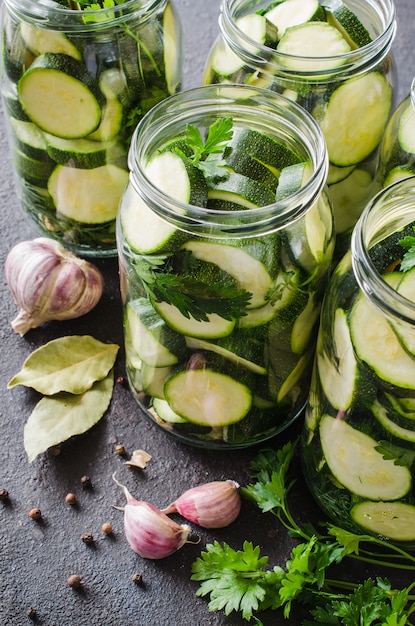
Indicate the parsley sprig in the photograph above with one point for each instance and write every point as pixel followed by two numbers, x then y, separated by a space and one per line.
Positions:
pixel 408 261
pixel 208 154
pixel 194 298
pixel 242 580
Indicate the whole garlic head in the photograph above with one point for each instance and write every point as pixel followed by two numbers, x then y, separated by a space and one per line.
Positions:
pixel 48 282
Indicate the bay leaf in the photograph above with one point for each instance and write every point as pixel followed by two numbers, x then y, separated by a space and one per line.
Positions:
pixel 57 418
pixel 72 364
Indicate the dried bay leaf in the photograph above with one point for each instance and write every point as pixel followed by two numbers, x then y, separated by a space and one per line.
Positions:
pixel 72 364
pixel 57 418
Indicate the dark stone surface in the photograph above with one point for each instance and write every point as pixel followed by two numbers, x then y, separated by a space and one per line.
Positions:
pixel 37 557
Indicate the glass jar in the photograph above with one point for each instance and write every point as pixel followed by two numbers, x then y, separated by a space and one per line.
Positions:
pixel 221 303
pixel 349 93
pixel 397 151
pixel 359 439
pixel 74 85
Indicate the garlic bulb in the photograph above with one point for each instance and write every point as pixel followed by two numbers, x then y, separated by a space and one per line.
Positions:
pixel 48 282
pixel 211 505
pixel 150 533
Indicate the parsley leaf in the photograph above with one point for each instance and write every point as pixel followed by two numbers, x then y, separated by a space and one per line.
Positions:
pixel 408 261
pixel 208 155
pixel 194 298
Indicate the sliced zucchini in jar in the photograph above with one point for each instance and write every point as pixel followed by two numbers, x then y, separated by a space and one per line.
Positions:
pixel 338 372
pixel 293 12
pixel 208 397
pixel 354 460
pixel 393 520
pixel 406 130
pixel 213 328
pixel 81 153
pixel 171 50
pixel 153 379
pixel 347 22
pixel 89 196
pixel 178 178
pixel 242 190
pixel 349 197
pixel 30 139
pixel 376 344
pixel 381 414
pixel 251 274
pixel 355 118
pixel 40 40
pixel 59 95
pixel 315 47
pixel 151 339
pixel 233 355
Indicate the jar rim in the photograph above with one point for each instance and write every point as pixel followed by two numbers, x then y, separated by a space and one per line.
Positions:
pixel 211 102
pixel 50 14
pixel 273 62
pixel 389 211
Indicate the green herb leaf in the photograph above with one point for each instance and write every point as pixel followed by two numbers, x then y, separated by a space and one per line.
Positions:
pixel 408 261
pixel 208 155
pixel 55 419
pixel 72 364
pixel 393 452
pixel 193 298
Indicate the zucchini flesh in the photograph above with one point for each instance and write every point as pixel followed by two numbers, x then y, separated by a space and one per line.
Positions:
pixel 41 40
pixel 381 414
pixel 376 344
pixel 316 41
pixel 214 328
pixel 151 339
pixel 293 12
pixel 251 275
pixel 353 459
pixel 171 47
pixel 355 118
pixel 89 196
pixel 406 130
pixel 207 397
pixel 347 22
pixel 393 520
pixel 59 95
pixel 338 372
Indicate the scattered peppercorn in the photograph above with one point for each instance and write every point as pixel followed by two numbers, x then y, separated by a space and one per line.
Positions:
pixel 4 495
pixel 74 581
pixel 119 449
pixel 121 380
pixel 70 498
pixel 86 481
pixel 87 538
pixel 31 613
pixel 35 513
pixel 106 528
pixel 138 579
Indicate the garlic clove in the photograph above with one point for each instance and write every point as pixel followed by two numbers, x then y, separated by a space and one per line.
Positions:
pixel 211 505
pixel 48 282
pixel 149 532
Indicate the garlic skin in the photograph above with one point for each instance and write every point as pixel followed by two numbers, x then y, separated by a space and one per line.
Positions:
pixel 211 505
pixel 150 533
pixel 48 282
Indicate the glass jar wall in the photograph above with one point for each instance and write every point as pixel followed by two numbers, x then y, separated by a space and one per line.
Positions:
pixel 334 62
pixel 397 152
pixel 74 85
pixel 221 284
pixel 359 440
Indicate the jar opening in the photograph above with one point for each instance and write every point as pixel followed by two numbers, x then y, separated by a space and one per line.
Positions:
pixel 387 215
pixel 378 16
pixel 253 108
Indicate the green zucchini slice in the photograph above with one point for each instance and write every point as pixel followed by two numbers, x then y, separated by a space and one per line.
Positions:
pixel 355 462
pixel 393 520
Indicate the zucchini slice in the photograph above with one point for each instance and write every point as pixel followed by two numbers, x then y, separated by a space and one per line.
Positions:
pixel 243 191
pixel 376 344
pixel 214 328
pixel 171 47
pixel 208 397
pixel 347 22
pixel 393 520
pixel 349 197
pixel 41 40
pixel 151 339
pixel 313 40
pixel 60 96
pixel 82 153
pixel 290 13
pixel 381 414
pixel 406 130
pixel 251 275
pixel 233 356
pixel 338 372
pixel 88 196
pixel 355 462
pixel 355 118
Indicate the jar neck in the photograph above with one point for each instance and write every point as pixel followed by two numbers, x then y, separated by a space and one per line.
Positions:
pixel 389 212
pixel 49 14
pixel 380 15
pixel 249 107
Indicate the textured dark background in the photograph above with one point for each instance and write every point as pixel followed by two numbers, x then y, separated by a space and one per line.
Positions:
pixel 36 558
